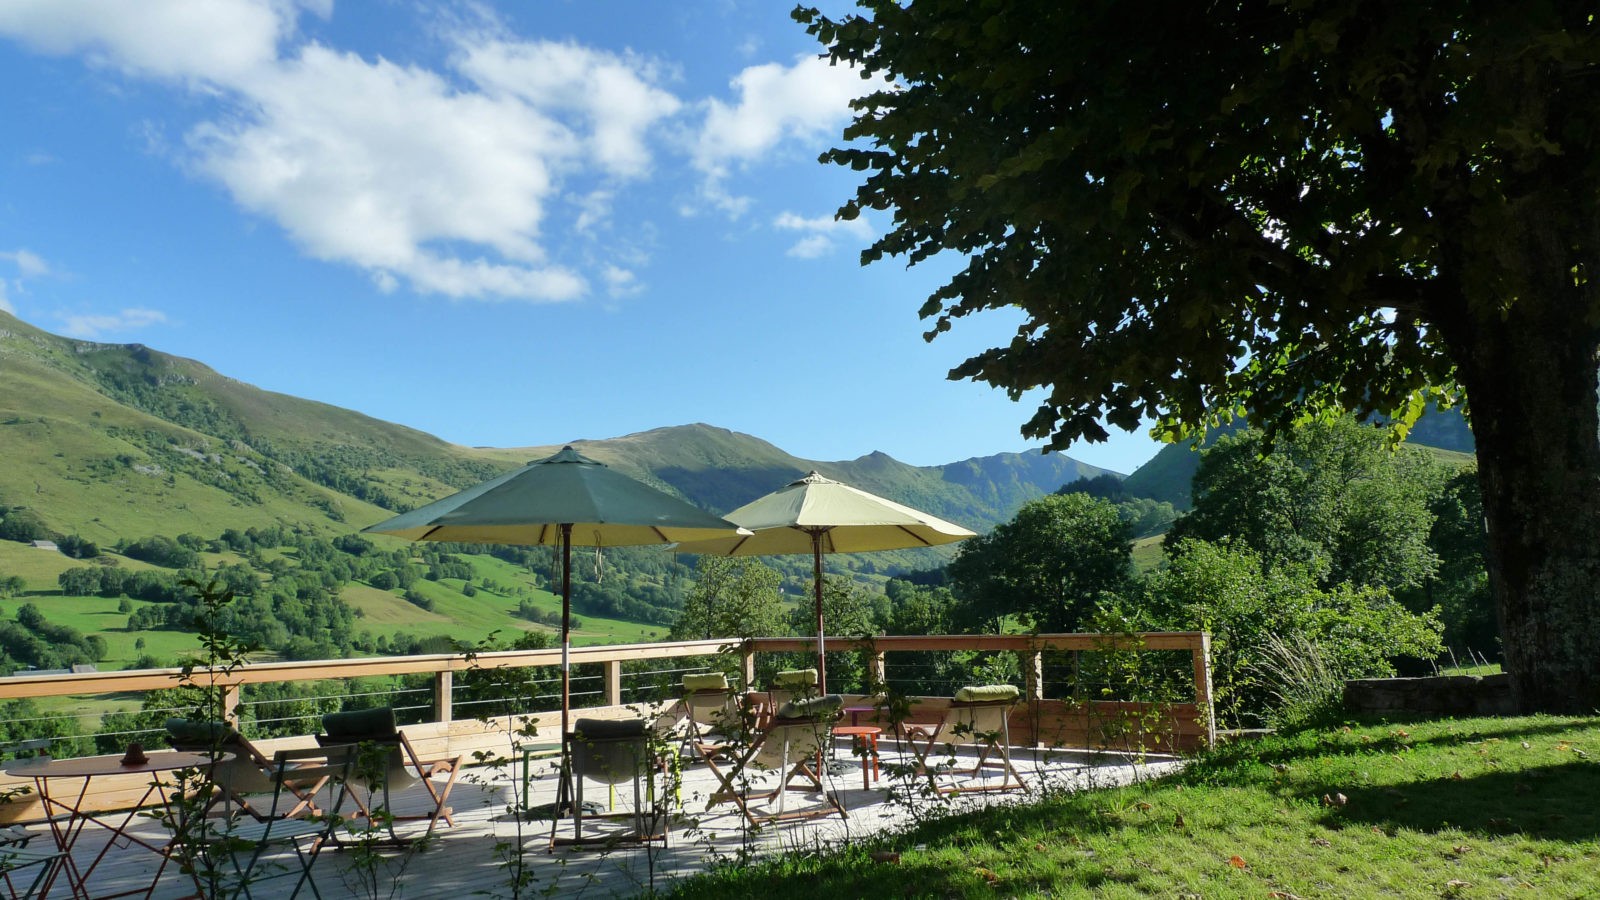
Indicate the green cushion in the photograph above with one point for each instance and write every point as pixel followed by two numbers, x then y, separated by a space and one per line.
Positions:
pixel 988 693
pixel 714 681
pixel 199 733
pixel 360 724
pixel 796 678
pixel 610 729
pixel 813 708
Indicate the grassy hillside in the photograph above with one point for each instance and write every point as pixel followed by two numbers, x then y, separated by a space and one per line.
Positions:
pixel 118 442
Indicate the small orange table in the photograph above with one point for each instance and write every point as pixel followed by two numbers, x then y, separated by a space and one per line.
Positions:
pixel 866 737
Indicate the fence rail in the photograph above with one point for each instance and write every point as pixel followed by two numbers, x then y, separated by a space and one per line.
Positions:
pixel 1168 724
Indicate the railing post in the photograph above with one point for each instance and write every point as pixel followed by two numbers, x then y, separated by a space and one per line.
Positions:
pixel 1033 674
pixel 443 689
pixel 613 682
pixel 1202 687
pixel 230 703
pixel 880 671
pixel 747 654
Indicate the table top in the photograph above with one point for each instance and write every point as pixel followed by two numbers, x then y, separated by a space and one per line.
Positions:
pixel 854 730
pixel 93 766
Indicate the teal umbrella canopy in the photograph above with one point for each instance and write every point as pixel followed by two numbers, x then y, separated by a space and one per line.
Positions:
pixel 564 500
pixel 528 506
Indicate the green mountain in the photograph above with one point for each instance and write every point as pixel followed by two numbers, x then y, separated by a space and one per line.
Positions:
pixel 120 441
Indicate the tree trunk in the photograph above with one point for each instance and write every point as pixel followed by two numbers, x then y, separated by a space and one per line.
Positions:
pixel 1531 379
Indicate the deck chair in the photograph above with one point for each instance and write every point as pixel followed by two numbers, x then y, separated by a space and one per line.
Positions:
pixel 40 865
pixel 792 684
pixel 244 772
pixel 250 843
pixel 615 751
pixel 977 715
pixel 790 743
pixel 711 715
pixel 399 769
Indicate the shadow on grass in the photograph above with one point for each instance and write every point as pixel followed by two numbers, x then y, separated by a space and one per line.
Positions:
pixel 1547 802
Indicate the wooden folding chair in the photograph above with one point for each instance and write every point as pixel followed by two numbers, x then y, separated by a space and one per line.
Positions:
pixel 615 751
pixel 791 744
pixel 977 715
pixel 396 770
pixel 241 770
pixel 711 715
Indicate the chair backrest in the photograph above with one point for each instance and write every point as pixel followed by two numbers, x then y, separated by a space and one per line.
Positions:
pixel 244 771
pixel 977 711
pixel 610 750
pixel 372 726
pixel 798 729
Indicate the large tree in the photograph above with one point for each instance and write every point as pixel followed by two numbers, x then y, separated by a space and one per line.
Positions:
pixel 1272 208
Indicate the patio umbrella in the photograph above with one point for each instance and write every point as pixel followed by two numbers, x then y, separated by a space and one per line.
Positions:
pixel 564 500
pixel 817 515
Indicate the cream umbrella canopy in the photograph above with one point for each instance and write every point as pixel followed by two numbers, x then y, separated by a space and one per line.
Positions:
pixel 818 515
pixel 563 500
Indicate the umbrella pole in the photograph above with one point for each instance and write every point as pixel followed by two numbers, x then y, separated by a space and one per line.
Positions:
pixel 816 566
pixel 564 803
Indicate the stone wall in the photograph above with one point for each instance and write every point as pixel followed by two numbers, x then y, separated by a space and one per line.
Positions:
pixel 1450 695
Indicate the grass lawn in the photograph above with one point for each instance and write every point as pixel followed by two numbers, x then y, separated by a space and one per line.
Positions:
pixel 1475 808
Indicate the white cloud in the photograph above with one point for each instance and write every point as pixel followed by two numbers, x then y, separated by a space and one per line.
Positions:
pixel 819 234
pixel 218 41
pixel 92 327
pixel 439 180
pixel 804 102
pixel 29 264
pixel 613 95
pixel 621 282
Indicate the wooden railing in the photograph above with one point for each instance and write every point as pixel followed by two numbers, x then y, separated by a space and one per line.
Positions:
pixel 1171 725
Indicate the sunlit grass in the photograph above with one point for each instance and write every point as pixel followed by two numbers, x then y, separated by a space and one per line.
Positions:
pixel 1472 808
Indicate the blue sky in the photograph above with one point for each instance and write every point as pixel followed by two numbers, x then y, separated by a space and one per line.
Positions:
pixel 505 224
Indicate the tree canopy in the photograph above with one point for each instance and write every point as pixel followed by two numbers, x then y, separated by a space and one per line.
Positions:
pixel 1273 209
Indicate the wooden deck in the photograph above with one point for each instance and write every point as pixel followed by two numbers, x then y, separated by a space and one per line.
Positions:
pixel 468 859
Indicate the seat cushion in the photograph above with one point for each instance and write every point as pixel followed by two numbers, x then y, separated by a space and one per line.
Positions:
pixel 812 708
pixel 360 724
pixel 988 693
pixel 713 681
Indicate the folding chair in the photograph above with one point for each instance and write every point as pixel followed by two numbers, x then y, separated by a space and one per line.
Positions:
pixel 977 715
pixel 329 767
pixel 792 684
pixel 791 744
pixel 399 769
pixel 244 772
pixel 712 714
pixel 614 751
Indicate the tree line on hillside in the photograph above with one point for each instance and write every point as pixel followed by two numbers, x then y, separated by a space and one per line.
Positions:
pixel 1324 548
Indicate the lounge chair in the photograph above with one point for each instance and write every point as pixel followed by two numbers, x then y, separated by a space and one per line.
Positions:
pixel 790 744
pixel 712 715
pixel 615 751
pixel 401 769
pixel 977 715
pixel 243 772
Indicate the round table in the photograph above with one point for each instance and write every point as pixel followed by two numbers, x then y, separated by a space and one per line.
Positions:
pixel 865 737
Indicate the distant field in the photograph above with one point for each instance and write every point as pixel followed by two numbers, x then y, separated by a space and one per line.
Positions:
pixel 1147 552
pixel 455 615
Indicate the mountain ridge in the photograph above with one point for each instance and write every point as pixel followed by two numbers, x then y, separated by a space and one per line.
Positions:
pixel 122 440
